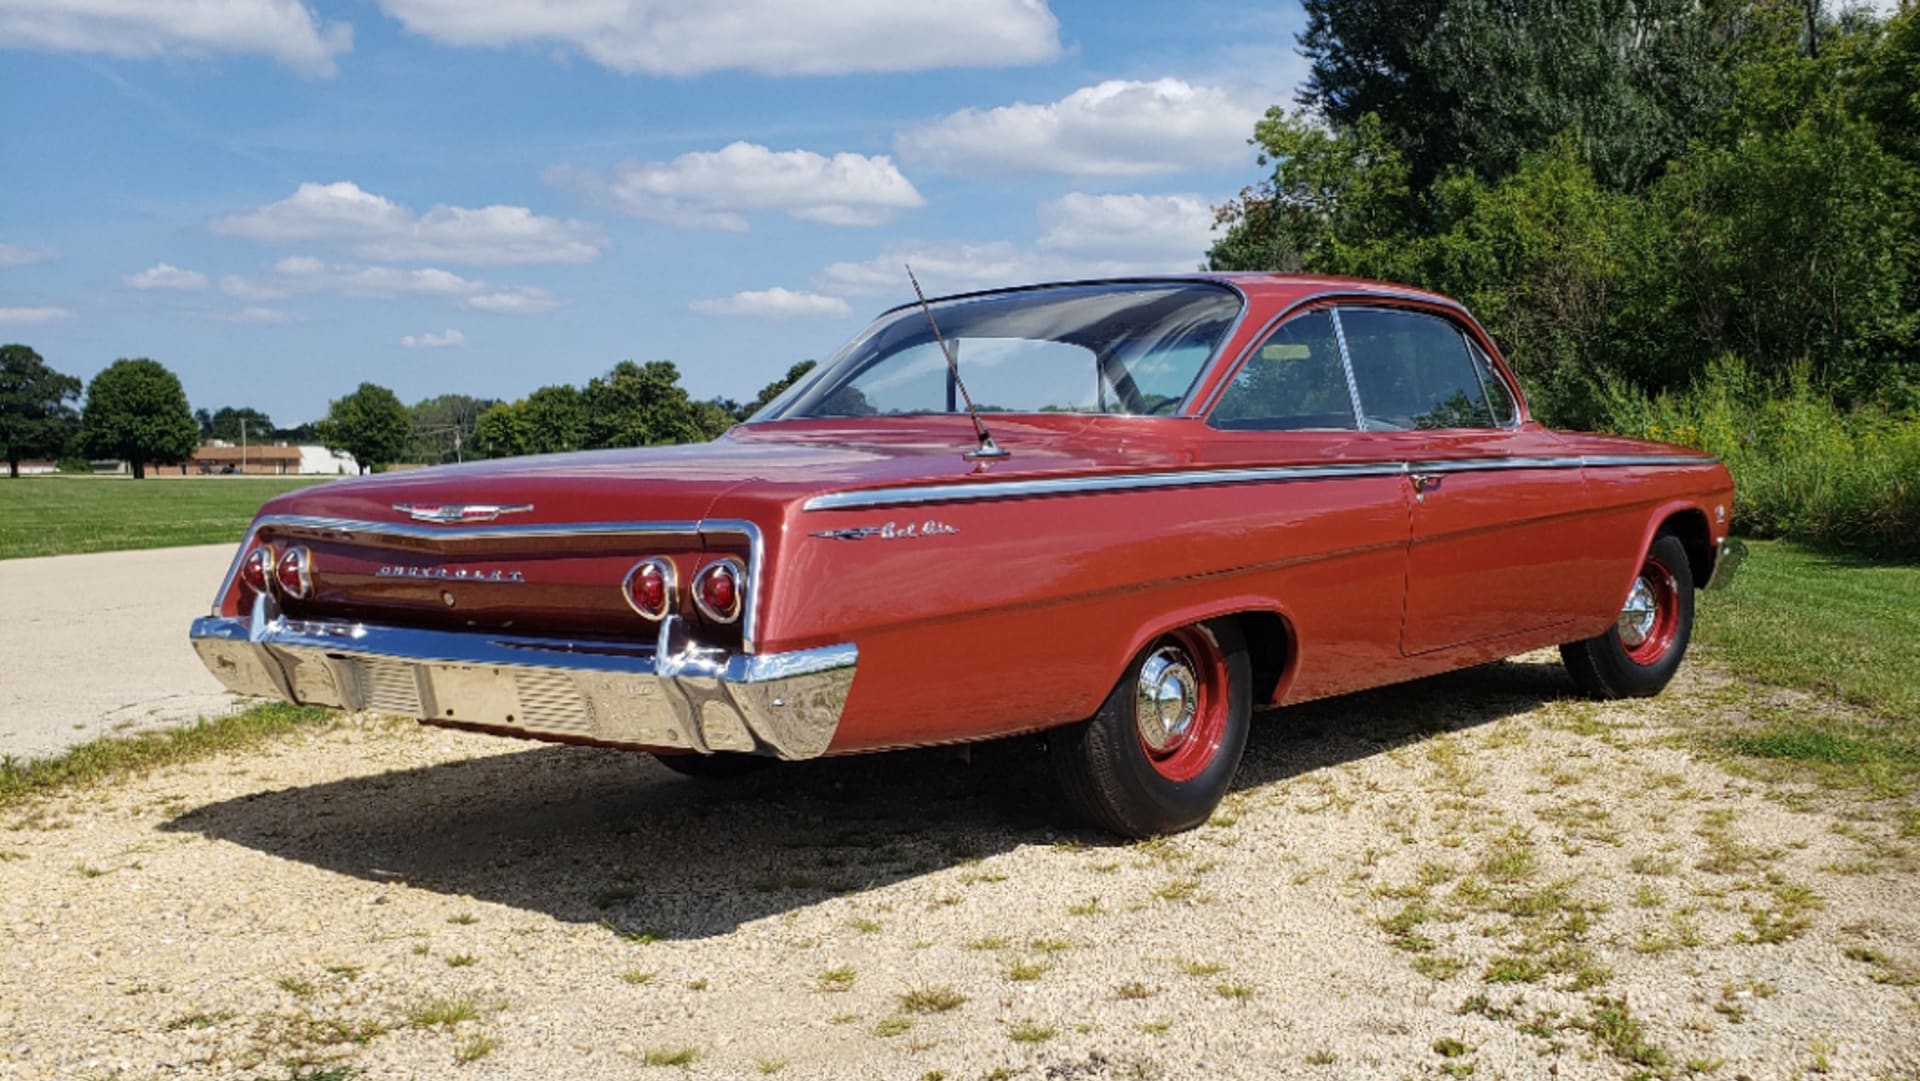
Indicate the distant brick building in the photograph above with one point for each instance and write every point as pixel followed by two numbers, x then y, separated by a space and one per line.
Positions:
pixel 255 460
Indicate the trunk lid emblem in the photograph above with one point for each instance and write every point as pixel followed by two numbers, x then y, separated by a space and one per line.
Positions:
pixel 458 513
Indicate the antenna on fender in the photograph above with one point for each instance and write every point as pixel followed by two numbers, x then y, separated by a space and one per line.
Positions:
pixel 987 448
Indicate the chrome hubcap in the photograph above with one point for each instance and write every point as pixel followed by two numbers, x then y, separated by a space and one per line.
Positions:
pixel 1167 698
pixel 1637 615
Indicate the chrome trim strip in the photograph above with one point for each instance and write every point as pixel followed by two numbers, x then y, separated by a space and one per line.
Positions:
pixel 955 492
pixel 1726 562
pixel 1346 367
pixel 344 528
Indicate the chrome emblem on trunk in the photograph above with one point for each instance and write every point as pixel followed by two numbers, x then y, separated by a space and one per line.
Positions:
pixel 891 531
pixel 458 513
pixel 442 574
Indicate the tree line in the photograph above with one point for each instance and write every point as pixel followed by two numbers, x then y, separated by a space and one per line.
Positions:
pixel 135 410
pixel 1622 192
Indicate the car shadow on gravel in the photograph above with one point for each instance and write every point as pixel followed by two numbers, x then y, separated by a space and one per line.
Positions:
pixel 597 836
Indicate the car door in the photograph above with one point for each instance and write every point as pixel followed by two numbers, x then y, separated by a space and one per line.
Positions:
pixel 1495 546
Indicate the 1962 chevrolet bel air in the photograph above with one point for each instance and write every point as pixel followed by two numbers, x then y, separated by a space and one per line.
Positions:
pixel 1173 501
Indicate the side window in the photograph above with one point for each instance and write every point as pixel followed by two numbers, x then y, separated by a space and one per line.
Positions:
pixel 1413 371
pixel 1506 412
pixel 1293 382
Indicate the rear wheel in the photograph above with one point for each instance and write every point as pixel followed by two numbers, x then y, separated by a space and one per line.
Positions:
pixel 1639 654
pixel 1162 751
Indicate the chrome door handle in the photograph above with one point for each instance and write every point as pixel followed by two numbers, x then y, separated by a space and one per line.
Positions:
pixel 1425 482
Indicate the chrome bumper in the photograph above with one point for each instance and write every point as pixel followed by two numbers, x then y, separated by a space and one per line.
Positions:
pixel 1726 562
pixel 668 695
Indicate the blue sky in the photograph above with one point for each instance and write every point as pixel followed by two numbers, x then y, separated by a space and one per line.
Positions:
pixel 281 200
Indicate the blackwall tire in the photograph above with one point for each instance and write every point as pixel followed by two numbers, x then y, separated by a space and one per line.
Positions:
pixel 1141 766
pixel 1638 655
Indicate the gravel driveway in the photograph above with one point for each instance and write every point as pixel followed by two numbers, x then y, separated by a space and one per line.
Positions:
pixel 1470 876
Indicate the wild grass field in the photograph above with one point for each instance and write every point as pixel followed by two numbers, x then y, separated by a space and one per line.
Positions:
pixel 44 516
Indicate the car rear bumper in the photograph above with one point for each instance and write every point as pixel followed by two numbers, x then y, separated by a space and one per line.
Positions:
pixel 670 695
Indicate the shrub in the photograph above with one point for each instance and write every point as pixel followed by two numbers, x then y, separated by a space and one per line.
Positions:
pixel 1805 468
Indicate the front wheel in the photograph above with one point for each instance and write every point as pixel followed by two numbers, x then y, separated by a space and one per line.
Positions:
pixel 1639 654
pixel 1163 748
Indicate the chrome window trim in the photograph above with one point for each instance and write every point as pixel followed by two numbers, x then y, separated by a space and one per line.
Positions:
pixel 1290 310
pixel 344 528
pixel 1346 365
pixel 984 491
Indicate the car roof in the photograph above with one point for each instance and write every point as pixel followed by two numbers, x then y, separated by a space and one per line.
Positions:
pixel 1270 287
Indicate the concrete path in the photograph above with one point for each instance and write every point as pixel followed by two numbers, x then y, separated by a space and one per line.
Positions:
pixel 93 645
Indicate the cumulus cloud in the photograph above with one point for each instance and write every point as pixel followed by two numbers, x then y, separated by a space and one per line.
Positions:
pixel 284 30
pixel 1116 128
pixel 771 37
pixel 255 316
pixel 1083 236
pixel 774 303
pixel 166 276
pixel 430 340
pixel 345 216
pixel 302 275
pixel 1166 232
pixel 14 255
pixel 33 316
pixel 718 189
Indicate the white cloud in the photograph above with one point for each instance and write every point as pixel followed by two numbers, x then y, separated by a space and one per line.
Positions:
pixel 33 316
pixel 771 37
pixel 282 29
pixel 257 316
pixel 774 303
pixel 1117 128
pixel 344 215
pixel 1167 232
pixel 1084 236
pixel 717 189
pixel 299 275
pixel 14 255
pixel 166 276
pixel 434 341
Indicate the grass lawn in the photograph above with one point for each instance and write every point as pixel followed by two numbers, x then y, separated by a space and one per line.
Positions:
pixel 1837 625
pixel 44 516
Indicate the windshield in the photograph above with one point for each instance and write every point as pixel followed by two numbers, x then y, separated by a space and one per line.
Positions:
pixel 1128 348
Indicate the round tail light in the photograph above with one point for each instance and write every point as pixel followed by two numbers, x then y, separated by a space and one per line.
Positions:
pixel 717 590
pixel 256 567
pixel 649 588
pixel 294 573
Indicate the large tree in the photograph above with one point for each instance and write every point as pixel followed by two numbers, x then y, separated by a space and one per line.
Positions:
pixel 548 421
pixel 638 404
pixel 369 424
pixel 1480 83
pixel 36 406
pixel 443 427
pixel 137 412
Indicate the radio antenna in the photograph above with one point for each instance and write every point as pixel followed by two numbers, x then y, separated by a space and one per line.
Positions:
pixel 987 448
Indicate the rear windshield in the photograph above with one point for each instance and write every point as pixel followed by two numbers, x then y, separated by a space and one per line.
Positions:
pixel 1128 348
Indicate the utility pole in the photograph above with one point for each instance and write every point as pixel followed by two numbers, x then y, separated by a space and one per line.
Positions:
pixel 243 446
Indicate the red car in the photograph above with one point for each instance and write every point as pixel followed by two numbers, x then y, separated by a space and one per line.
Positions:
pixel 1172 501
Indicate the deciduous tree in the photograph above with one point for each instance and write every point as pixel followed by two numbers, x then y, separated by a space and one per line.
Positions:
pixel 36 406
pixel 137 412
pixel 369 424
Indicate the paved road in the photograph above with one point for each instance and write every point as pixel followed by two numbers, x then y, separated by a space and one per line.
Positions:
pixel 97 644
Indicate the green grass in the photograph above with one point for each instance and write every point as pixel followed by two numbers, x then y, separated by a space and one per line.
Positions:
pixel 1839 625
pixel 114 757
pixel 44 516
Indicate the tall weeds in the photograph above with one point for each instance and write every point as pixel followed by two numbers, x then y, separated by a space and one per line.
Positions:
pixel 1805 469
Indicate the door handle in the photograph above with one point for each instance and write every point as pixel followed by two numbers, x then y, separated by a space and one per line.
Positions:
pixel 1426 482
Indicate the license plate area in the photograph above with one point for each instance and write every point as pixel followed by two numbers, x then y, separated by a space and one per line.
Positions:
pixel 475 694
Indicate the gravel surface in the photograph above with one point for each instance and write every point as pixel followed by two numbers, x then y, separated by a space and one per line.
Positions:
pixel 96 645
pixel 1471 876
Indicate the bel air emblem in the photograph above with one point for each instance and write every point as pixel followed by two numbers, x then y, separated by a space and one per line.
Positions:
pixel 890 531
pixel 458 513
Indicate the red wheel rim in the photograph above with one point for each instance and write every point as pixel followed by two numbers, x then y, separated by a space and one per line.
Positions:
pixel 1651 615
pixel 1180 703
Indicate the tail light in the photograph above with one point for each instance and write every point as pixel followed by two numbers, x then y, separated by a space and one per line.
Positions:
pixel 717 590
pixel 649 588
pixel 294 573
pixel 256 567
